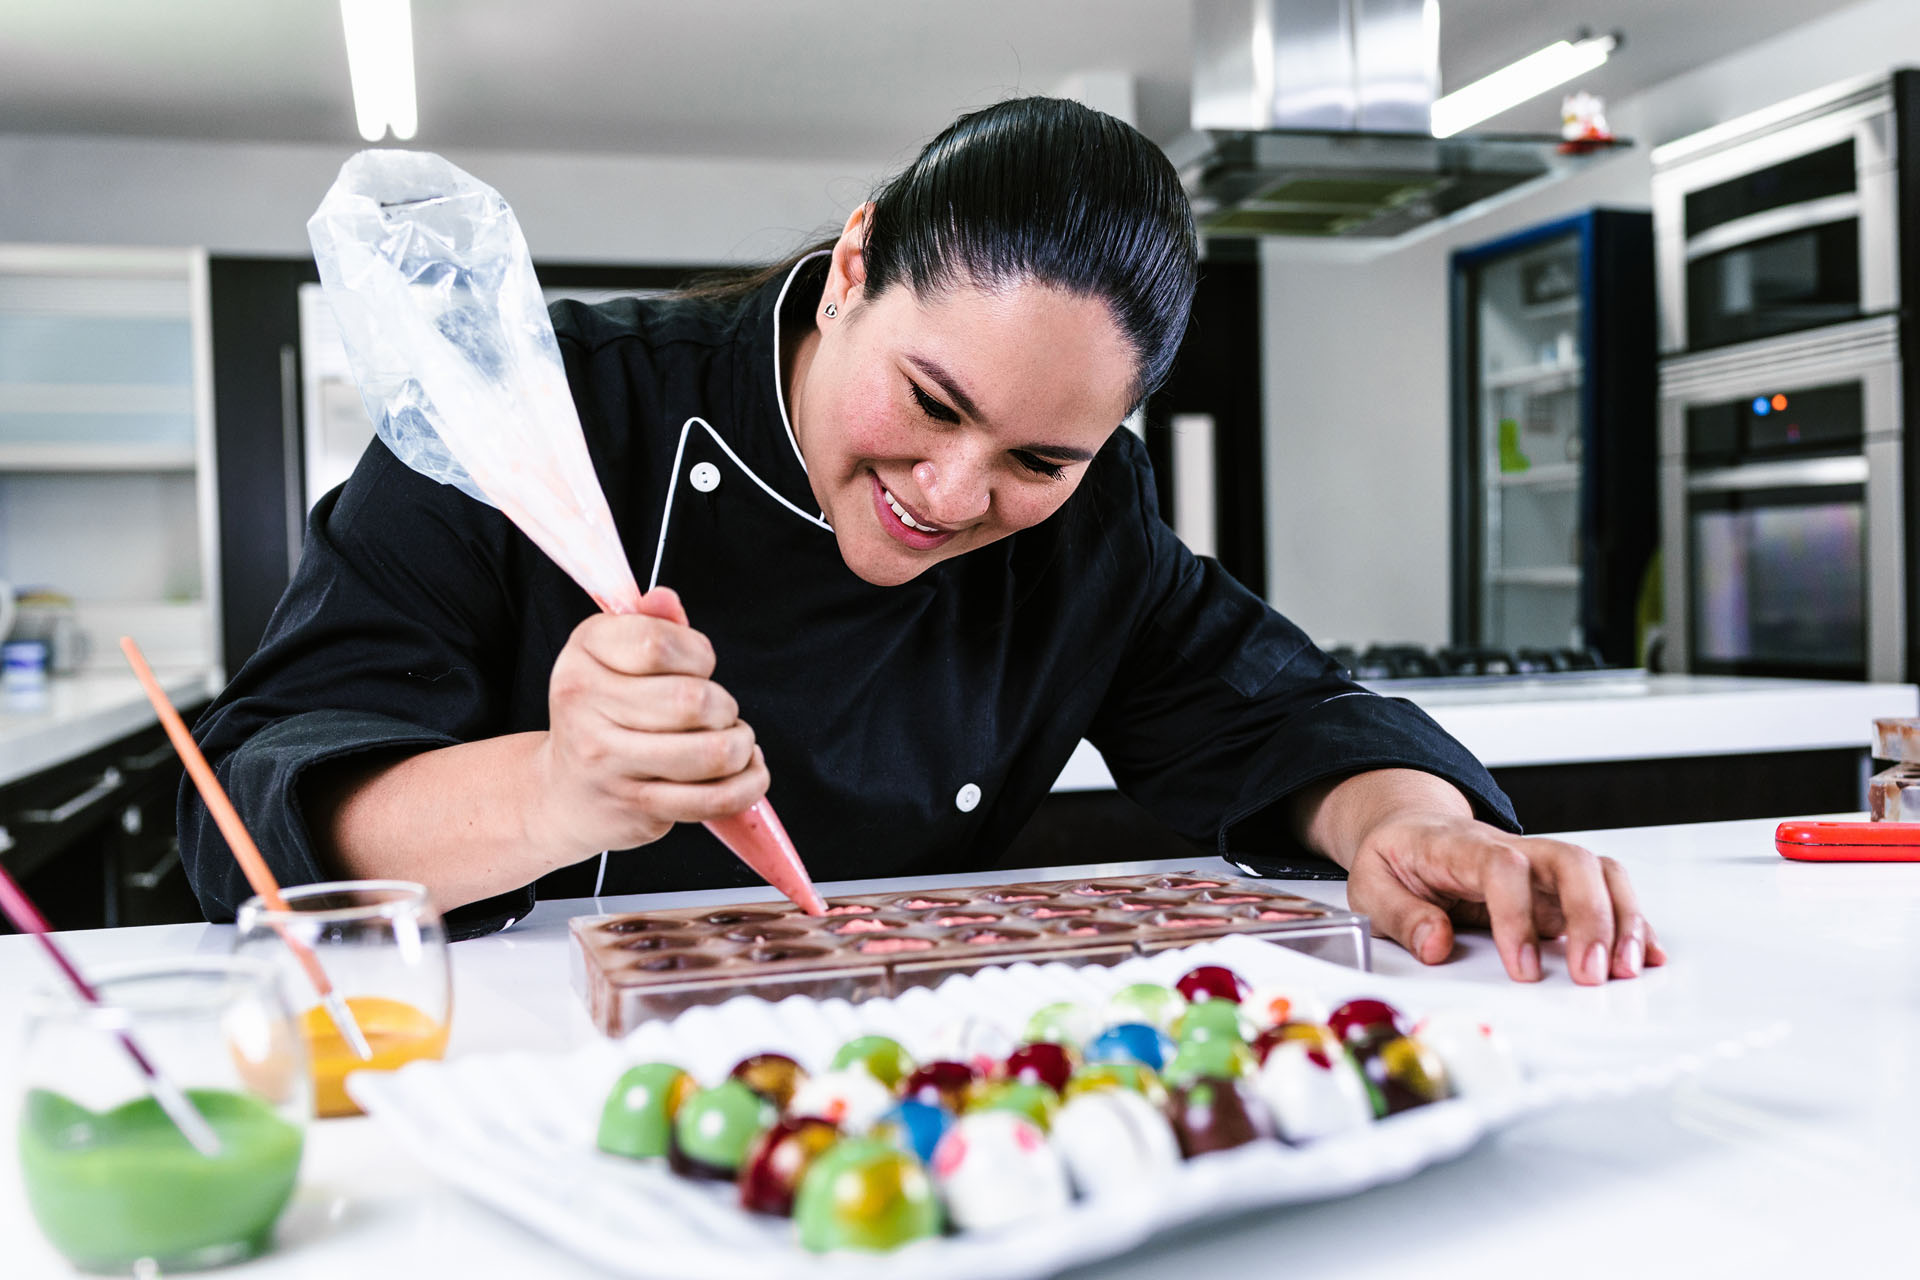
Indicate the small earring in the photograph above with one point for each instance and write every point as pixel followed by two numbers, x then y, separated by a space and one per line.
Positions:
pixel 832 311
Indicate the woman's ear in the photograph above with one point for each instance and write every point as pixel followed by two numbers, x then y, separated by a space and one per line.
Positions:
pixel 847 269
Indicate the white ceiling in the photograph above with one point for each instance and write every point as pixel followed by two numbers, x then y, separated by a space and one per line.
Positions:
pixel 862 80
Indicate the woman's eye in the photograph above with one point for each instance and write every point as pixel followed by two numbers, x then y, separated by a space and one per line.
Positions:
pixel 931 407
pixel 1040 466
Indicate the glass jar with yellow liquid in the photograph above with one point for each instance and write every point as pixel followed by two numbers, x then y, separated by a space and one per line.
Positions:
pixel 383 950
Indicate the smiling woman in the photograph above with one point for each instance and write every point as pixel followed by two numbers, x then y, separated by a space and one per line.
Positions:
pixel 886 481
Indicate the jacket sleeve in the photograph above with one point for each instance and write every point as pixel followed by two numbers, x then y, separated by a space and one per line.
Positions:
pixel 1221 710
pixel 392 638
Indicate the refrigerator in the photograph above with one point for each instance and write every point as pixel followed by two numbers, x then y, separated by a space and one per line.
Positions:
pixel 1554 480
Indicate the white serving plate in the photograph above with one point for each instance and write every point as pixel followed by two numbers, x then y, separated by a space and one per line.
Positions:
pixel 516 1130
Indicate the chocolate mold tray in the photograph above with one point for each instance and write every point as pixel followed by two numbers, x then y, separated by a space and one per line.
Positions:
pixel 652 964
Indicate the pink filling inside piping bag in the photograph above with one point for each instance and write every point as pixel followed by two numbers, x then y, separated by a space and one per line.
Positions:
pixel 449 339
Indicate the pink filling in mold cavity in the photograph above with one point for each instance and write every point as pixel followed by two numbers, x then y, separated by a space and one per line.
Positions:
pixel 889 946
pixel 1055 913
pixel 1286 915
pixel 1192 922
pixel 986 936
pixel 851 909
pixel 966 919
pixel 864 926
pixel 1232 899
pixel 929 904
pixel 1021 897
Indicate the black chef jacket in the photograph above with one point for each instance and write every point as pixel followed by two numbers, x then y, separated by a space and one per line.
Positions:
pixel 908 730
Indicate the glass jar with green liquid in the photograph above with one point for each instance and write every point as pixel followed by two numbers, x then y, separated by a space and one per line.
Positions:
pixel 112 1182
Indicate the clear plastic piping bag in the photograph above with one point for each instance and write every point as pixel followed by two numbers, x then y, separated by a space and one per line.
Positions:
pixel 448 336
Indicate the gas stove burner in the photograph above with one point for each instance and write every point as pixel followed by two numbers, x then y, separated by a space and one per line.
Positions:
pixel 1416 662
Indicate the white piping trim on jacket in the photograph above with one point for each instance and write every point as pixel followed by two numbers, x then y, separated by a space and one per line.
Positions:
pixel 779 383
pixel 673 487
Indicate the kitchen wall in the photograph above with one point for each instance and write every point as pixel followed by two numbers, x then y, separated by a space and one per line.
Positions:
pixel 1356 371
pixel 246 198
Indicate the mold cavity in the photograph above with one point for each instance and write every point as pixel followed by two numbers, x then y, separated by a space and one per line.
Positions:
pixel 1232 899
pixel 740 917
pixel 1287 915
pixel 1084 928
pixel 933 904
pixel 851 909
pixel 1186 882
pixel 986 918
pixel 987 937
pixel 674 960
pixel 1056 913
pixel 633 925
pixel 762 933
pixel 863 926
pixel 656 942
pixel 894 945
pixel 768 955
pixel 1103 890
pixel 1174 920
pixel 1011 896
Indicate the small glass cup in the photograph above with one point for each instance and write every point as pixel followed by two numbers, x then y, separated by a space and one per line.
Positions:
pixel 114 1185
pixel 384 952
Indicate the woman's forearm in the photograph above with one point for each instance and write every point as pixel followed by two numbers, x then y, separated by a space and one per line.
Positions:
pixel 459 820
pixel 1332 818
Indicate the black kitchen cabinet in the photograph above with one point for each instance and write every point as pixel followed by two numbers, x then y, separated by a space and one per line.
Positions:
pixel 92 840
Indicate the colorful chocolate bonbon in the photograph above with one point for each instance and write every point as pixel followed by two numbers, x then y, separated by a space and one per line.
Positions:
pixel 995 1169
pixel 637 1120
pixel 1044 1063
pixel 1111 1139
pixel 774 1076
pixel 854 1100
pixel 866 1195
pixel 770 1176
pixel 1312 1091
pixel 1214 1115
pixel 879 1056
pixel 1136 1042
pixel 715 1128
pixel 1212 982
pixel 944 1083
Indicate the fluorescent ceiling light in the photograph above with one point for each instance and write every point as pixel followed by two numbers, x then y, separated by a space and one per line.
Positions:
pixel 1512 85
pixel 380 59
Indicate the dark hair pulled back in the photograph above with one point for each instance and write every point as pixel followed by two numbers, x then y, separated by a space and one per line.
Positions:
pixel 1041 190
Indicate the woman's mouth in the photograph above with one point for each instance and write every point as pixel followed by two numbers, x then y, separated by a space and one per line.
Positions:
pixel 901 524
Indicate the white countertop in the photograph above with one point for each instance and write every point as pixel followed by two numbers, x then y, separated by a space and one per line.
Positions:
pixel 1629 715
pixel 80 713
pixel 1794 1161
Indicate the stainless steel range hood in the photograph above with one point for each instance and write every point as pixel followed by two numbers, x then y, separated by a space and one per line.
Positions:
pixel 1310 118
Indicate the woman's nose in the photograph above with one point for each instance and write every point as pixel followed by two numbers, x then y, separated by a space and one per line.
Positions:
pixel 956 488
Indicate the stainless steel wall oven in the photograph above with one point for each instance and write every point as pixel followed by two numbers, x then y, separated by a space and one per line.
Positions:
pixel 1788 385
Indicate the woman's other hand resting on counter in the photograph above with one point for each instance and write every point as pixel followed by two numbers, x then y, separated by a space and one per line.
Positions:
pixel 1419 864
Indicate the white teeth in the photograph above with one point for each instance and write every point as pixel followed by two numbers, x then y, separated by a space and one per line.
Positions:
pixel 901 511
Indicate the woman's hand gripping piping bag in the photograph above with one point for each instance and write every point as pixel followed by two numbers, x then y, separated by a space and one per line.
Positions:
pixel 448 336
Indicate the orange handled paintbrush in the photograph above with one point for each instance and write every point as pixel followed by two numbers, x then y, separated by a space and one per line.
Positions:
pixel 245 852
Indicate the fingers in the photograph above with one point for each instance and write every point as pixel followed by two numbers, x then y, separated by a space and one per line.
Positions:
pixel 1629 927
pixel 706 755
pixel 1586 901
pixel 1504 881
pixel 640 645
pixel 665 704
pixel 1413 922
pixel 705 801
pixel 1656 954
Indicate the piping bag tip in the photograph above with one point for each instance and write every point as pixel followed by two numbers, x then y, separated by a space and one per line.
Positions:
pixel 758 839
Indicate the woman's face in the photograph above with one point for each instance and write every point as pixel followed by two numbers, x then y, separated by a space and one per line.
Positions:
pixel 934 425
